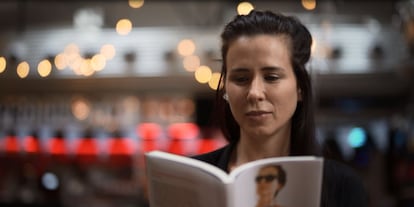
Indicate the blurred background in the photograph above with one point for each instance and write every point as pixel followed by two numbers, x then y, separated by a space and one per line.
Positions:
pixel 87 87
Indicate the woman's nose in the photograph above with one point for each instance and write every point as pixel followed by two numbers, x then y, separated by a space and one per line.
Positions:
pixel 256 90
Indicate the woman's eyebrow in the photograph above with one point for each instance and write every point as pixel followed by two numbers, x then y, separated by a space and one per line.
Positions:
pixel 238 70
pixel 265 69
pixel 272 68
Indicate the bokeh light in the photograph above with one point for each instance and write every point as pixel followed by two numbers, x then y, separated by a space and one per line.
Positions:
pixel 71 49
pixel 123 26
pixel 44 68
pixel 214 81
pixel 357 137
pixel 108 51
pixel 203 74
pixel 186 47
pixel 23 69
pixel 50 181
pixel 81 108
pixel 86 68
pixel 309 4
pixel 60 61
pixel 191 63
pixel 98 62
pixel 2 64
pixel 244 8
pixel 72 56
pixel 136 3
pixel 75 62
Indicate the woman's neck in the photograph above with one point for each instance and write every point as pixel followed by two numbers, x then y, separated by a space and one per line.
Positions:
pixel 249 149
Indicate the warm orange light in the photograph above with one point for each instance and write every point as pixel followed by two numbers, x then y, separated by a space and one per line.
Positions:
pixel 214 81
pixel 60 61
pixel 71 49
pixel 44 68
pixel 86 68
pixel 203 74
pixel 73 60
pixel 136 3
pixel 98 62
pixel 309 4
pixel 23 69
pixel 123 27
pixel 186 47
pixel 108 51
pixel 191 63
pixel 244 8
pixel 81 109
pixel 2 64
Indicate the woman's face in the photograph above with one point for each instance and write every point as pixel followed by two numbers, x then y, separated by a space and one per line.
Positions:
pixel 267 182
pixel 261 85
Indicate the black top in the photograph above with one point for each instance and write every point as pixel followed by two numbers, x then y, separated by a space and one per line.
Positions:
pixel 341 186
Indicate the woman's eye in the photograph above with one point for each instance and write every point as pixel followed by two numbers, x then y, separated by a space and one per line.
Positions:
pixel 271 78
pixel 240 79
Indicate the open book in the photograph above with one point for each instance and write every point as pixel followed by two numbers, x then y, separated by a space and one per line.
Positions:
pixel 178 181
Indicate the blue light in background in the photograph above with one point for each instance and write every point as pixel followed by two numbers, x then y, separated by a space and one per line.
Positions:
pixel 357 137
pixel 50 181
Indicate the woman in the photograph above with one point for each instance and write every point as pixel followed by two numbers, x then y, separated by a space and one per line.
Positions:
pixel 269 181
pixel 265 95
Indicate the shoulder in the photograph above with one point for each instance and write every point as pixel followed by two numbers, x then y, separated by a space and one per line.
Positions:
pixel 342 186
pixel 219 158
pixel 212 157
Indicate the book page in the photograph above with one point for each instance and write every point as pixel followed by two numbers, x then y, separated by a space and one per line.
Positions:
pixel 172 183
pixel 294 183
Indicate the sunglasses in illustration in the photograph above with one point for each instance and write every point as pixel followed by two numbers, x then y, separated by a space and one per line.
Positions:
pixel 267 178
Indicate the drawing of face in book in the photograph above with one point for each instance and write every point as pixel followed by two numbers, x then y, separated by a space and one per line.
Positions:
pixel 270 180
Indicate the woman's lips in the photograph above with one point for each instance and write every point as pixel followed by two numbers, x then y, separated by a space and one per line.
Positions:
pixel 257 113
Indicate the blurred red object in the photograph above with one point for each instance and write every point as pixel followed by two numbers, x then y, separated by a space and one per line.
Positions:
pixel 11 144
